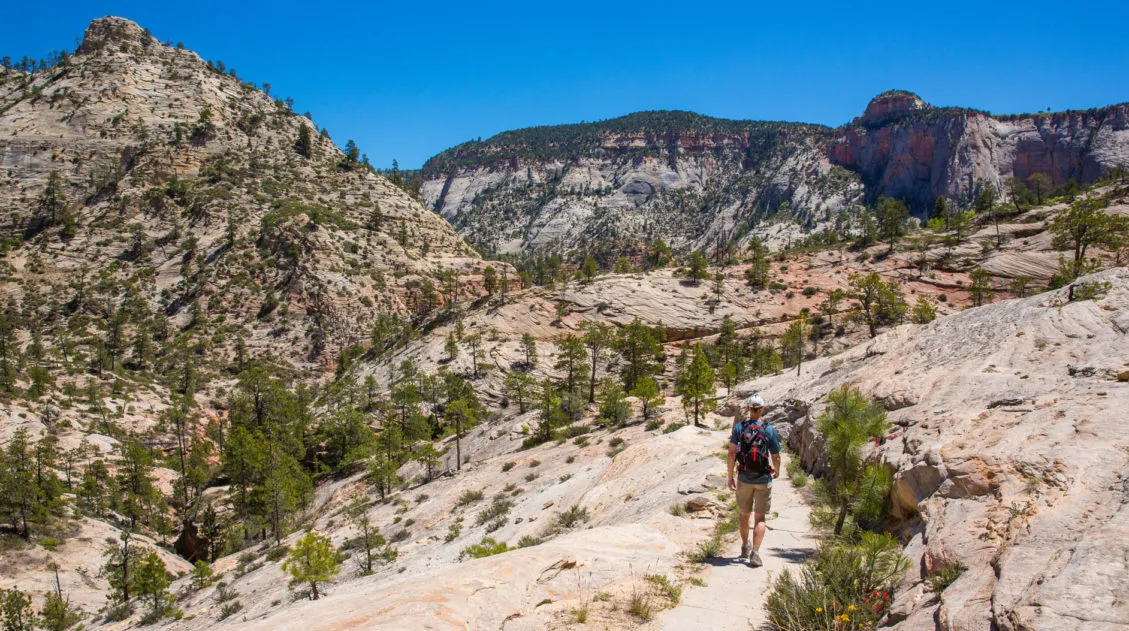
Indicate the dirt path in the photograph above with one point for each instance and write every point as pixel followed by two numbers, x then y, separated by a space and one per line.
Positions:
pixel 734 592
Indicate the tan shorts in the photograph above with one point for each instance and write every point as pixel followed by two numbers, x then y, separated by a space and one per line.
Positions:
pixel 754 498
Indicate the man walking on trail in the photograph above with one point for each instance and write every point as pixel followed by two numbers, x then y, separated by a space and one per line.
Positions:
pixel 751 445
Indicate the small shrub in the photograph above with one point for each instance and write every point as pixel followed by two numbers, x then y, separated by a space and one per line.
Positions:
pixel 574 516
pixel 673 427
pixel 706 550
pixel 943 575
pixel 678 509
pixel 202 575
pixel 225 593
pixel 118 612
pixel 500 507
pixel 469 497
pixel 580 614
pixel 570 460
pixel 277 553
pixel 534 463
pixel 507 466
pixel 665 587
pixel 453 531
pixel 230 609
pixel 846 578
pixel 486 547
pixel 653 424
pixel 529 477
pixel 639 605
pixel 580 441
pixel 527 541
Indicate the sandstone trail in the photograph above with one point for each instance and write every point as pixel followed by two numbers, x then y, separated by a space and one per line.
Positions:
pixel 734 592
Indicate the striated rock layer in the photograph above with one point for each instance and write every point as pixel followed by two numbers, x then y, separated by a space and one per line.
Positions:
pixel 694 181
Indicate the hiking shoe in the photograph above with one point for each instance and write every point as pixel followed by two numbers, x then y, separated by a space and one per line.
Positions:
pixel 746 549
pixel 755 559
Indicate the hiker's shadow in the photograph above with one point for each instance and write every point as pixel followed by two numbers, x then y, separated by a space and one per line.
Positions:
pixel 724 561
pixel 792 555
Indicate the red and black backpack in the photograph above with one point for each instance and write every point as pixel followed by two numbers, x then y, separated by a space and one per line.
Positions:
pixel 752 448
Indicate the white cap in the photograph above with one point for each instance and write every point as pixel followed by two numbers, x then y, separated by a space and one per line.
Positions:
pixel 754 401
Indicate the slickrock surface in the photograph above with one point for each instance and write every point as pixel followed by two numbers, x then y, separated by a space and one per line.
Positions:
pixel 1011 454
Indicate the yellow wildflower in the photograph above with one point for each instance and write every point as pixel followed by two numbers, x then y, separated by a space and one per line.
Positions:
pixel 819 609
pixel 850 608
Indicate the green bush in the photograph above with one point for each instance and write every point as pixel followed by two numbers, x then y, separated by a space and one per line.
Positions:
pixel 574 516
pixel 943 575
pixel 847 585
pixel 486 547
pixel 468 497
pixel 498 509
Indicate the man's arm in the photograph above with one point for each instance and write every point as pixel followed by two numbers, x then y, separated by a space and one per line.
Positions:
pixel 775 454
pixel 729 462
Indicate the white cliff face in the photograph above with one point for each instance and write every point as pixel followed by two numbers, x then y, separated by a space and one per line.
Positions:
pixel 607 190
pixel 689 200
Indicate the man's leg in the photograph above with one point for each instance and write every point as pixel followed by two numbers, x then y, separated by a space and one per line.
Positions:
pixel 759 529
pixel 744 509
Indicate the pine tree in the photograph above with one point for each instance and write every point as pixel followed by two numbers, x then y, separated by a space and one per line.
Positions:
pixel 892 215
pixel 598 337
pixel 848 421
pixel 697 267
pixel 150 580
pixel 878 302
pixel 640 347
pixel 352 154
pixel 614 409
pixel 519 387
pixel 981 287
pixel 474 345
pixel 368 538
pixel 490 280
pixel 647 391
pixel 590 268
pixel 451 347
pixel 941 210
pixel 16 609
pixel 529 347
pixel 695 386
pixel 924 311
pixel 793 341
pixel 570 360
pixel 118 566
pixel 462 416
pixel 550 414
pixel 1078 227
pixel 312 560
pixel 304 145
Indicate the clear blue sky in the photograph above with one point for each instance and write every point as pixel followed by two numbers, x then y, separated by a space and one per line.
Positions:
pixel 409 79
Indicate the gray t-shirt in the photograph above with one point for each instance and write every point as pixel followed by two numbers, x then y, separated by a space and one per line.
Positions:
pixel 773 447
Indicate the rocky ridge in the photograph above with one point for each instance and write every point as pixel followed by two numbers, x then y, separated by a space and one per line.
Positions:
pixel 1008 456
pixel 189 177
pixel 695 181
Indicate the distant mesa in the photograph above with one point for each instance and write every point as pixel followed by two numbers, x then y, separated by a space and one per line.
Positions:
pixel 891 105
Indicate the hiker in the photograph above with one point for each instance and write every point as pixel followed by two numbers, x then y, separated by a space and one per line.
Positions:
pixel 751 445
